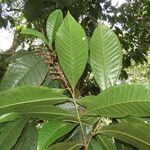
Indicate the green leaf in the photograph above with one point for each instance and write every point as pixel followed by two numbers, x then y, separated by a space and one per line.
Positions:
pixel 26 70
pixel 47 112
pixel 72 49
pixel 51 131
pixel 35 33
pixel 27 139
pixel 64 146
pixel 124 146
pixel 8 117
pixel 53 23
pixel 106 56
pixel 9 133
pixel 119 101
pixel 132 133
pixel 94 145
pixel 22 98
pixel 105 143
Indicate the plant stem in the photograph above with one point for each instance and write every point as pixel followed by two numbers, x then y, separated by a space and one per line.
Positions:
pixel 79 119
pixel 93 133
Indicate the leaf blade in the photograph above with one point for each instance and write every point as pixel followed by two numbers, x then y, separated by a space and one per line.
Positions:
pixel 119 101
pixel 26 70
pixel 106 56
pixel 129 132
pixel 35 33
pixel 10 131
pixel 27 139
pixel 57 130
pixel 53 23
pixel 21 98
pixel 71 44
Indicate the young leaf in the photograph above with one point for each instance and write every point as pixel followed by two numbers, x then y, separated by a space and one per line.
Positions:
pixel 72 49
pixel 27 139
pixel 105 143
pixel 53 23
pixel 119 101
pixel 132 133
pixel 35 33
pixel 22 98
pixel 10 131
pixel 106 56
pixel 26 70
pixel 51 131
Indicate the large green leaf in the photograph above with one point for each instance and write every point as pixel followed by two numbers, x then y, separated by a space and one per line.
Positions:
pixel 26 70
pixel 52 131
pixel 106 143
pixel 106 56
pixel 53 23
pixel 132 133
pixel 72 49
pixel 22 98
pixel 119 101
pixel 47 112
pixel 27 139
pixel 35 33
pixel 9 133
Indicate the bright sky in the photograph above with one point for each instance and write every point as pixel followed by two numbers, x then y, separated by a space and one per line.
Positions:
pixel 6 36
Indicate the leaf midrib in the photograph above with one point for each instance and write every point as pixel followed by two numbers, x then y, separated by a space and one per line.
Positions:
pixel 125 134
pixel 128 102
pixel 34 101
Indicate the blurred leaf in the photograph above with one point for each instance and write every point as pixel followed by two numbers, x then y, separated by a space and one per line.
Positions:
pixel 26 70
pixel 35 33
pixel 53 23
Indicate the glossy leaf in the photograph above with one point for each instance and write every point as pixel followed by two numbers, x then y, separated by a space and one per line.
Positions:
pixel 119 101
pixel 27 139
pixel 53 23
pixel 106 56
pixel 72 49
pixel 106 143
pixel 22 98
pixel 132 133
pixel 51 131
pixel 26 70
pixel 35 33
pixel 9 133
